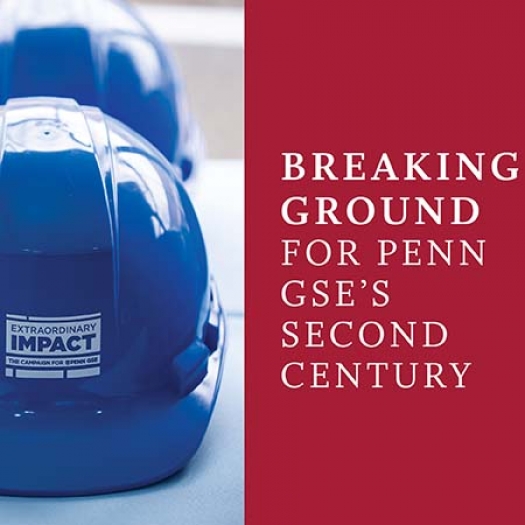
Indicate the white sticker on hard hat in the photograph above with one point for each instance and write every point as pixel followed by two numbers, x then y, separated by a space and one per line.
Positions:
pixel 53 347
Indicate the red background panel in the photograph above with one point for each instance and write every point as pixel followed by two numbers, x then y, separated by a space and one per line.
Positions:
pixel 373 76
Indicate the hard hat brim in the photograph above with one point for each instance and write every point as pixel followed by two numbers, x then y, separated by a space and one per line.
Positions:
pixel 107 445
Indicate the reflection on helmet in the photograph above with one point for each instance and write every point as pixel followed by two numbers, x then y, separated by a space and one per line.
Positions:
pixel 100 53
pixel 114 333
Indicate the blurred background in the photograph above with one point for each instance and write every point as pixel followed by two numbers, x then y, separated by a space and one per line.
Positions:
pixel 206 38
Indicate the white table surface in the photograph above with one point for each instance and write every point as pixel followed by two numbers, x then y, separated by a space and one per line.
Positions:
pixel 211 489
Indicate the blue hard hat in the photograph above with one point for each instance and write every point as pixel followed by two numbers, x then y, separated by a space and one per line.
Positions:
pixel 113 331
pixel 100 53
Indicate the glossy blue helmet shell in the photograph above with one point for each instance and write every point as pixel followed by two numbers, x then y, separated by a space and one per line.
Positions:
pixel 100 53
pixel 114 336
